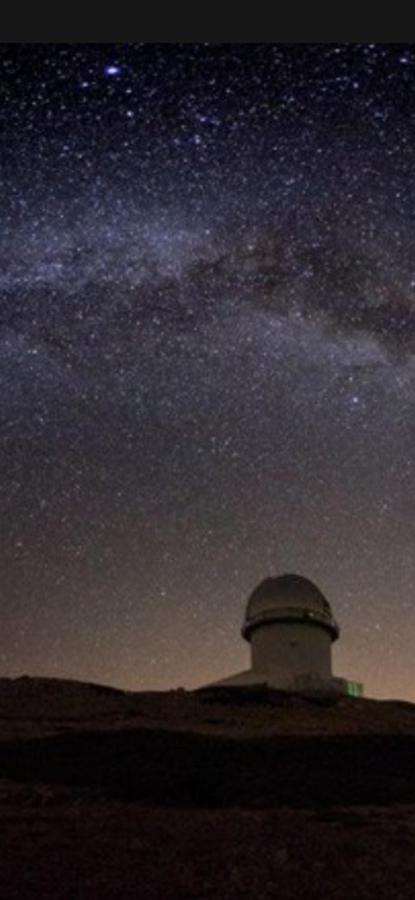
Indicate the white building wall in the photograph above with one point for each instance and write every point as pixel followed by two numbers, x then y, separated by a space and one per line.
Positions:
pixel 286 649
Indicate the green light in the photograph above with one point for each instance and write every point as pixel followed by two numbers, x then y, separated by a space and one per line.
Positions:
pixel 354 689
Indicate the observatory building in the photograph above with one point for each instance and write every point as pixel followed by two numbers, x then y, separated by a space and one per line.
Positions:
pixel 291 628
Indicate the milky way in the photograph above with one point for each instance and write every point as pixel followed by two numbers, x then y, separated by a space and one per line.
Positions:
pixel 207 353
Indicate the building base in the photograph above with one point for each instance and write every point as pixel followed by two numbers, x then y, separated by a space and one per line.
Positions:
pixel 300 684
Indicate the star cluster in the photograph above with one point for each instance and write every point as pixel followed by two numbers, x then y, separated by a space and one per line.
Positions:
pixel 207 353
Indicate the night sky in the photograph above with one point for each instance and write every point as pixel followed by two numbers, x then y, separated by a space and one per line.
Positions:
pixel 207 354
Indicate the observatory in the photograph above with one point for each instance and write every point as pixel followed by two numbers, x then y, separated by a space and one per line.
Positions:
pixel 290 627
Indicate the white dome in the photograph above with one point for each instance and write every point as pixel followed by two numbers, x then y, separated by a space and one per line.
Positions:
pixel 288 598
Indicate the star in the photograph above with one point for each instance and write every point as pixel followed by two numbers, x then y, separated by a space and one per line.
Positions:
pixel 112 69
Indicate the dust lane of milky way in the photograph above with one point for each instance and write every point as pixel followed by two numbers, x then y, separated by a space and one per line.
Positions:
pixel 207 353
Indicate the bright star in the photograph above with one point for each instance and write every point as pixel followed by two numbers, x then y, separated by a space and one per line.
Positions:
pixel 112 70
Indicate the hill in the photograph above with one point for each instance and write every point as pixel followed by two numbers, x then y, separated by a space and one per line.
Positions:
pixel 224 793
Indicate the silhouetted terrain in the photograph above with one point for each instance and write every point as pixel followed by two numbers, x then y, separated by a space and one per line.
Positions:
pixel 225 793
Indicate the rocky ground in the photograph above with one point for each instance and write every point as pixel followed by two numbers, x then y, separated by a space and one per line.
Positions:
pixel 216 794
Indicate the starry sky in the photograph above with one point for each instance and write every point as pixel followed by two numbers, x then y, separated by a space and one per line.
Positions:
pixel 207 353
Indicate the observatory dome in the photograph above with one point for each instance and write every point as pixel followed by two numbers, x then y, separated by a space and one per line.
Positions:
pixel 288 598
